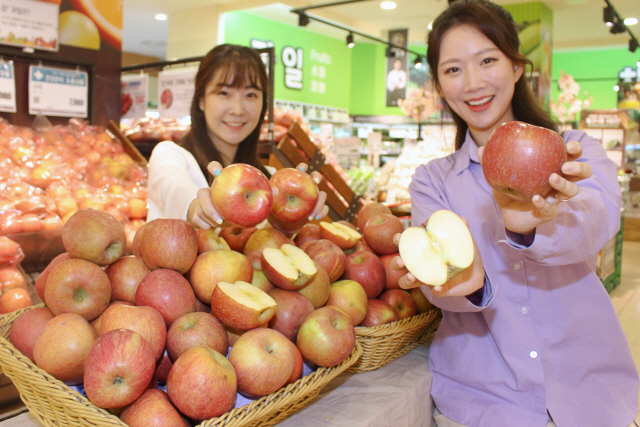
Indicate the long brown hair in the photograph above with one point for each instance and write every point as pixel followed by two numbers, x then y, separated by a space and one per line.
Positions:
pixel 498 26
pixel 239 67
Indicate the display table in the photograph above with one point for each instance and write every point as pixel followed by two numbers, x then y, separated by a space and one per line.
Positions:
pixel 396 394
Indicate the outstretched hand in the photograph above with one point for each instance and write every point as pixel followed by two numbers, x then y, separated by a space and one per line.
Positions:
pixel 524 217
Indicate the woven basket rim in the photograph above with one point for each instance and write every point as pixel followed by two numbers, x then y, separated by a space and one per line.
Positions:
pixel 392 328
pixel 267 404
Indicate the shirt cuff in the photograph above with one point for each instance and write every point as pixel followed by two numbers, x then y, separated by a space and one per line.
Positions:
pixel 519 241
pixel 483 296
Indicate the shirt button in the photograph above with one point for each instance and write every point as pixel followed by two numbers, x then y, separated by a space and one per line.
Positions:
pixel 517 266
pixel 533 354
pixel 524 310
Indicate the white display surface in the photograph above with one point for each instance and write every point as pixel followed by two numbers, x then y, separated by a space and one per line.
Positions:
pixel 397 394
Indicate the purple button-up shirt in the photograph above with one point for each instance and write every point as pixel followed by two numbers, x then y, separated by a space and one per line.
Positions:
pixel 545 335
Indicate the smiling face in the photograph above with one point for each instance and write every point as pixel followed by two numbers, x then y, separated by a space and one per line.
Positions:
pixel 231 113
pixel 477 80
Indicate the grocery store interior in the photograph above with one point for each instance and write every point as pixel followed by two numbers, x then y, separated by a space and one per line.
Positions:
pixel 88 89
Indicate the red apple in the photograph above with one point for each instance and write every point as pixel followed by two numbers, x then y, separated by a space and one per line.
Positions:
pixel 95 236
pixel 392 276
pixel 422 303
pixel 379 231
pixel 233 334
pixel 241 305
pixel 27 327
pixel 10 251
pixel 137 240
pixel 366 269
pixel 242 195
pixel 379 313
pixel 118 368
pixel 401 301
pixel 97 322
pixel 297 195
pixel 168 292
pixel 202 307
pixel 31 223
pixel 202 384
pixel 196 330
pixel 62 347
pixel 328 255
pixel 326 337
pixel 163 366
pixel 169 243
pixel 264 238
pixel 236 237
pixel 317 290
pixel 11 277
pixel 291 309
pixel 351 297
pixel 221 265
pixel 208 240
pixel 362 246
pixel 125 275
pixel 260 281
pixel 298 366
pixel 368 211
pixel 519 158
pixel 77 286
pixel 146 321
pixel 308 233
pixel 152 409
pixel 263 360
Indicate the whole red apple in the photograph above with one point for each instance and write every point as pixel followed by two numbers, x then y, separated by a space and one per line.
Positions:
pixel 152 409
pixel 392 276
pixel 236 237
pixel 308 233
pixel 10 251
pixel 95 236
pixel 401 301
pixel 196 330
pixel 361 246
pixel 366 269
pixel 11 277
pixel 221 265
pixel 168 292
pixel 169 243
pixel 118 368
pixel 292 307
pixel 62 347
pixel 202 384
pixel 297 195
pixel 351 297
pixel 27 327
pixel 97 322
pixel 163 366
pixel 137 239
pixel 264 238
pixel 263 360
pixel 379 231
pixel 77 286
pixel 260 281
pixel 298 366
pixel 41 280
pixel 208 240
pixel 242 195
pixel 328 255
pixel 519 158
pixel 146 321
pixel 14 299
pixel 125 275
pixel 379 313
pixel 326 337
pixel 369 210
pixel 422 303
pixel 317 290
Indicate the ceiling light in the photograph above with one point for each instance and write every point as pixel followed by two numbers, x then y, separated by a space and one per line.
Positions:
pixel 430 26
pixel 608 15
pixel 388 5
pixel 161 17
pixel 630 21
pixel 350 42
pixel 417 63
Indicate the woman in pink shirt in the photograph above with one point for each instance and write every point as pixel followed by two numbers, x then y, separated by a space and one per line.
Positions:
pixel 529 336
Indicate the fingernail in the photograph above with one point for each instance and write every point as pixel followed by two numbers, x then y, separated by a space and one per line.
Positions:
pixel 310 218
pixel 556 178
pixel 216 172
pixel 217 219
pixel 568 168
pixel 303 168
pixel 318 217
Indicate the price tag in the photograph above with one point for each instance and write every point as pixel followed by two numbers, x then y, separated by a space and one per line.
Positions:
pixel 175 92
pixel 58 92
pixel 7 88
pixel 134 95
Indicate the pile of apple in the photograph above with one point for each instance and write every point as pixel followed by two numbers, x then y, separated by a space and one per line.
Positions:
pixel 50 174
pixel 14 293
pixel 282 119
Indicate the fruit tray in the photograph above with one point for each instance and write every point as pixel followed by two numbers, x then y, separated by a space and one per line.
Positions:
pixel 383 344
pixel 57 405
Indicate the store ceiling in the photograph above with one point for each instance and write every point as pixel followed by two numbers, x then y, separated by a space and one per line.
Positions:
pixel 577 23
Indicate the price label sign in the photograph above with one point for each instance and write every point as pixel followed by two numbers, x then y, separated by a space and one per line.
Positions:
pixel 175 92
pixel 58 92
pixel 7 88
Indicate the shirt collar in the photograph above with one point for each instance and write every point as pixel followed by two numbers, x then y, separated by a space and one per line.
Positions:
pixel 468 153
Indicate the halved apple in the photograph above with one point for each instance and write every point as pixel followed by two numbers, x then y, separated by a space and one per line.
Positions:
pixel 241 305
pixel 288 267
pixel 438 252
pixel 340 234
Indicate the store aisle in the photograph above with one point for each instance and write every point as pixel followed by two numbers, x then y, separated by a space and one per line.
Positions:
pixel 626 298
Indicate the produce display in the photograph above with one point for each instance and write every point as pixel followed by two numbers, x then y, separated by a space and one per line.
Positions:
pixel 14 290
pixel 155 130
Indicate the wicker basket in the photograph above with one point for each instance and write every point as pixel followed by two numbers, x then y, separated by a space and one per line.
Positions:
pixel 385 343
pixel 57 405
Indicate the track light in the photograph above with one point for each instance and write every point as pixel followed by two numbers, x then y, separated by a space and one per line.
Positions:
pixel 617 28
pixel 350 42
pixel 633 45
pixel 303 19
pixel 608 15
pixel 417 63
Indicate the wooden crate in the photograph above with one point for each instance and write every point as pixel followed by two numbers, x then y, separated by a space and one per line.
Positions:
pixel 128 146
pixel 296 148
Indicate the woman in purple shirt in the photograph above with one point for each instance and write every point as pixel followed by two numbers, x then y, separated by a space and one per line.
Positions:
pixel 529 337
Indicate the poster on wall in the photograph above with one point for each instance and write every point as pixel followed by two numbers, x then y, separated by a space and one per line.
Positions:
pixel 29 23
pixel 134 95
pixel 7 87
pixel 175 91
pixel 396 81
pixel 58 92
